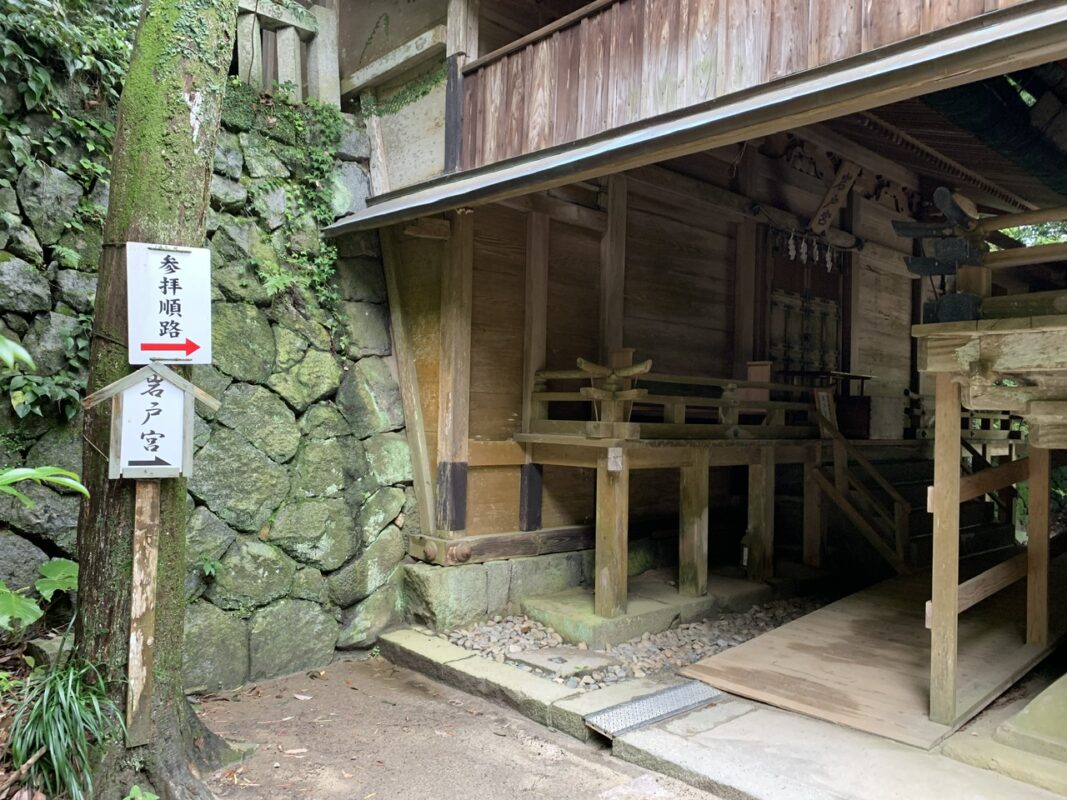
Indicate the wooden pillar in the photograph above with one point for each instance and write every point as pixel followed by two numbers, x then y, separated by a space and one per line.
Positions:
pixel 613 269
pixel 453 421
pixel 746 296
pixel 409 384
pixel 612 532
pixel 1037 548
pixel 250 50
pixel 760 535
pixel 535 343
pixel 142 613
pixel 289 61
pixel 944 613
pixel 693 533
pixel 461 46
pixel 813 511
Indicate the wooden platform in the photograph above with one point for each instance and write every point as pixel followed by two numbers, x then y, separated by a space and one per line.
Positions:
pixel 864 661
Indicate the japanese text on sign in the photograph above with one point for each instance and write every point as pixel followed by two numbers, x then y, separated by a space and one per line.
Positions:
pixel 169 304
pixel 153 428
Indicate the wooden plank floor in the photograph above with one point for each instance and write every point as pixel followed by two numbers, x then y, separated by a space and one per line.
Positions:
pixel 864 661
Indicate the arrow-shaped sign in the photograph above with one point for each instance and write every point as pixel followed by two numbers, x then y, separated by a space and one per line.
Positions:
pixel 188 347
pixel 155 462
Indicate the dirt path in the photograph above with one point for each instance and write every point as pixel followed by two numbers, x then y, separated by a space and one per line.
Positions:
pixel 366 730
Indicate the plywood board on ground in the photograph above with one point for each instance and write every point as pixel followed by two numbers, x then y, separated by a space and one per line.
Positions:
pixel 864 661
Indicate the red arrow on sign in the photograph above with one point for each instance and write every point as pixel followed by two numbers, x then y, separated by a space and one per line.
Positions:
pixel 188 347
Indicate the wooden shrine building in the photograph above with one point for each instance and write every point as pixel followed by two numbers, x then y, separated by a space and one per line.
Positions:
pixel 658 256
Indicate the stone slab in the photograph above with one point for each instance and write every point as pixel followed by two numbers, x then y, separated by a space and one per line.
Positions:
pixel 568 715
pixel 570 614
pixel 1041 727
pixel 767 754
pixel 528 694
pixel 564 661
pixel 421 652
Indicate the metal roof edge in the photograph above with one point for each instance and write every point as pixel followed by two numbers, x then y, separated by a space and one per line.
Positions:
pixel 1021 35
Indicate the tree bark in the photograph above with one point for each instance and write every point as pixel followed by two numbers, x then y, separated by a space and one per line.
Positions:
pixel 161 166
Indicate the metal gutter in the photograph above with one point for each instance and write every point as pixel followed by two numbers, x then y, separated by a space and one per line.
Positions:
pixel 1020 36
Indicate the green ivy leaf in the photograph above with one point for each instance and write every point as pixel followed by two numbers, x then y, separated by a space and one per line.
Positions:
pixel 59 575
pixel 15 606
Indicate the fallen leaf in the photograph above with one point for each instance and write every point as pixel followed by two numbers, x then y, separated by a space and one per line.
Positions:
pixel 302 696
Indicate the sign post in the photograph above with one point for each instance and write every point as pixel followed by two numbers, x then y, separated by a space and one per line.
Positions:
pixel 168 292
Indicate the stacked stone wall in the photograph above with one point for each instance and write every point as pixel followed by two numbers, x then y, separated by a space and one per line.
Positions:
pixel 301 493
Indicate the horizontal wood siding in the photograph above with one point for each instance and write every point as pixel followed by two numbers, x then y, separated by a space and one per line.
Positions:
pixel 637 59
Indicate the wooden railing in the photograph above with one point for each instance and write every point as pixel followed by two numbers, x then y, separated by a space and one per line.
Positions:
pixel 290 26
pixel 881 520
pixel 616 62
pixel 632 402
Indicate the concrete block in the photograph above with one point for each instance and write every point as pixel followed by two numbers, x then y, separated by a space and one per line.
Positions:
pixel 497 586
pixel 571 614
pixel 545 574
pixel 737 594
pixel 528 694
pixel 429 655
pixel 568 715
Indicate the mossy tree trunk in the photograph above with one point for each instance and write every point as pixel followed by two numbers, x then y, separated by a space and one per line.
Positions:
pixel 161 167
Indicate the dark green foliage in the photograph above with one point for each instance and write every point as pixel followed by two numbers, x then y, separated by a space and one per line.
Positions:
pixel 66 60
pixel 239 106
pixel 66 711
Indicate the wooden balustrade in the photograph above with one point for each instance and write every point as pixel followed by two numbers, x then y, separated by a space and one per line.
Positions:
pixel 292 26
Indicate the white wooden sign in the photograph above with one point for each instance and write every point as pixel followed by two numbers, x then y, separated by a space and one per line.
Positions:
pixel 152 416
pixel 168 304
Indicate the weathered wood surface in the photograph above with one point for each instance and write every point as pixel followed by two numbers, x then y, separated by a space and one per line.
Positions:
pixel 142 613
pixel 616 62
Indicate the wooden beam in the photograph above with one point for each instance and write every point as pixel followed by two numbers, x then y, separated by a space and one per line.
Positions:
pixel 535 328
pixel 1037 548
pixel 760 534
pixel 813 517
pixel 462 30
pixel 531 487
pixel 496 546
pixel 987 481
pixel 1022 256
pixel 613 269
pixel 453 421
pixel 832 141
pixel 559 210
pixel 944 622
pixel 429 228
pixel 414 427
pixel 612 532
pixel 693 527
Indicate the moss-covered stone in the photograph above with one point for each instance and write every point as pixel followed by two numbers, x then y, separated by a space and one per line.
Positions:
pixel 239 106
pixel 61 446
pixel 242 341
pixel 215 649
pixel 264 419
pixel 289 348
pixel 370 398
pixel 360 280
pixel 252 573
pixel 308 584
pixel 49 199
pixel 316 376
pixel 388 459
pixel 381 508
pixel 320 469
pixel 228 157
pixel 88 243
pixel 361 625
pixel 47 341
pixel 445 597
pixel 367 326
pixel 23 288
pixel 290 636
pixel 260 160
pixel 362 576
pixel 316 531
pixel 211 381
pixel 77 289
pixel 323 421
pixel 226 194
pixel 237 481
pixel 308 320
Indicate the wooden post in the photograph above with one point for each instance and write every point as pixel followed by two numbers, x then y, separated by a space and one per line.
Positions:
pixel 379 172
pixel 409 384
pixel 693 533
pixel 289 61
pixel 535 342
pixel 612 531
pixel 760 535
pixel 1037 548
pixel 944 623
pixel 142 613
pixel 453 422
pixel 250 50
pixel 613 269
pixel 461 46
pixel 813 512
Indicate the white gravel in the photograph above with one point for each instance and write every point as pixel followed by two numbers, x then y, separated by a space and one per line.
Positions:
pixel 501 638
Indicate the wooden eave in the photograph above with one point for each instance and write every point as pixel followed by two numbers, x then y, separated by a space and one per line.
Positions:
pixel 1009 39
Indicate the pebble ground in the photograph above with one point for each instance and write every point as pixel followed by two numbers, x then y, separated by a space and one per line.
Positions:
pixel 502 638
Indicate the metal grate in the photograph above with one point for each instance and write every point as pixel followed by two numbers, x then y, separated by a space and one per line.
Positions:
pixel 651 708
